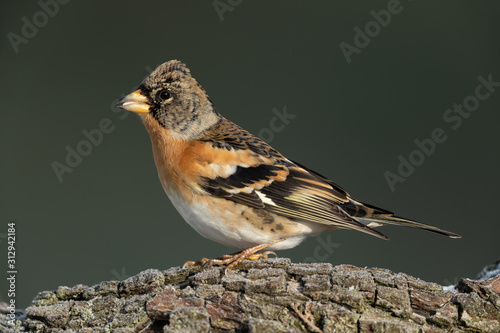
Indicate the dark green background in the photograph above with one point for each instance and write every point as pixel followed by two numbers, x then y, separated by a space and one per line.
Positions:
pixel 110 219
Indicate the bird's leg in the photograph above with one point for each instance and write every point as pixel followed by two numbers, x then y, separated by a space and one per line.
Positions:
pixel 234 259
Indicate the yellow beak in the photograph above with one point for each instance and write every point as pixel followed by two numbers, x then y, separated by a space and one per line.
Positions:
pixel 136 102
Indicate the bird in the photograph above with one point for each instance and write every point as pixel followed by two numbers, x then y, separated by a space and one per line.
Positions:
pixel 234 188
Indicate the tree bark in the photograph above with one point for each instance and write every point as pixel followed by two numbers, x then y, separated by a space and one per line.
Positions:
pixel 272 295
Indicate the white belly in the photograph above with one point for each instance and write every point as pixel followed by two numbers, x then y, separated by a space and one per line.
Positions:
pixel 212 223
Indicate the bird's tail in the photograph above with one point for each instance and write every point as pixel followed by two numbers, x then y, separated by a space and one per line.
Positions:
pixel 375 217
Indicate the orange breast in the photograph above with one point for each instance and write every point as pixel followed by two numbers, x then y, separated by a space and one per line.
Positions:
pixel 181 164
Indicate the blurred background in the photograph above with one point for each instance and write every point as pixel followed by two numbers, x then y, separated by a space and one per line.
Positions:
pixel 361 90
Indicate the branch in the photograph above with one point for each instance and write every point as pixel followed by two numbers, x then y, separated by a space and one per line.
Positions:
pixel 267 295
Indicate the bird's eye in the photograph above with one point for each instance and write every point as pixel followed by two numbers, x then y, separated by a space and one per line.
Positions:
pixel 164 95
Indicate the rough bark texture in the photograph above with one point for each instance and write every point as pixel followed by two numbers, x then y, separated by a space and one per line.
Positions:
pixel 271 295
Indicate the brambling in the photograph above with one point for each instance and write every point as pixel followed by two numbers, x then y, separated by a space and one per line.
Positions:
pixel 231 186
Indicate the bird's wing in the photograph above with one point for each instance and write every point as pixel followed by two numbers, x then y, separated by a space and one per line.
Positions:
pixel 251 172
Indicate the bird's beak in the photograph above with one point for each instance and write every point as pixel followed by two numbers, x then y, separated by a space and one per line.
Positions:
pixel 136 102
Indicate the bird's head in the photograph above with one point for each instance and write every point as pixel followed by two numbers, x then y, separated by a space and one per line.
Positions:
pixel 174 99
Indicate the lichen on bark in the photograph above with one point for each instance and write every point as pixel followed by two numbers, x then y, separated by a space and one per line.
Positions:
pixel 272 295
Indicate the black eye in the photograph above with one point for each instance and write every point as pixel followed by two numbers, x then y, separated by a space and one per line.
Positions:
pixel 164 95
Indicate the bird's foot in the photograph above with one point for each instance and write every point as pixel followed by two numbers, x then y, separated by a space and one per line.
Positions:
pixel 234 259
